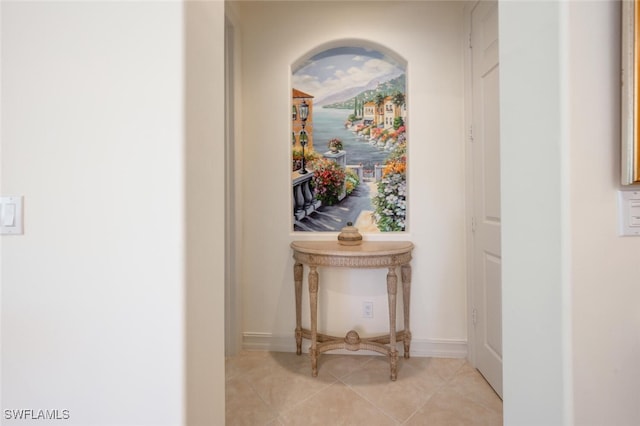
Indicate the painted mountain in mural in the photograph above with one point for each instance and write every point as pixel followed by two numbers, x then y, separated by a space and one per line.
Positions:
pixel 344 99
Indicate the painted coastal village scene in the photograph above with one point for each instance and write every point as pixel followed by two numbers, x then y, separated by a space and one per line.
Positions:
pixel 349 142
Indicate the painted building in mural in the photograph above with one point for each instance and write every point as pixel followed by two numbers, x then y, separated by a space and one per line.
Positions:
pixel 369 113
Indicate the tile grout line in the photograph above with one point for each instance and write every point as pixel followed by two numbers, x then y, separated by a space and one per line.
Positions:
pixel 480 403
pixel 253 389
pixel 462 395
pixel 337 379
pixel 293 406
pixel 445 383
pixel 243 377
pixel 421 406
pixel 391 417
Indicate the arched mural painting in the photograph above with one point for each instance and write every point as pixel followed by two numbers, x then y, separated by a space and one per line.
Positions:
pixel 349 141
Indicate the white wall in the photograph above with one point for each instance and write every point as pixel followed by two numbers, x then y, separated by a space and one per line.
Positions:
pixel 571 314
pixel 605 267
pixel 428 35
pixel 534 233
pixel 93 135
pixel 204 149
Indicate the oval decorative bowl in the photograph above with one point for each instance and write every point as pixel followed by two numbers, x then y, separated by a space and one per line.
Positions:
pixel 350 236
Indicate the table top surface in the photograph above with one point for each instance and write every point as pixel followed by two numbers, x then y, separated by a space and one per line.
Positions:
pixel 367 248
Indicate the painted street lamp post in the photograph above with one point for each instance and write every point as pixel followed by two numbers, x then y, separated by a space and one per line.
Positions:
pixel 304 114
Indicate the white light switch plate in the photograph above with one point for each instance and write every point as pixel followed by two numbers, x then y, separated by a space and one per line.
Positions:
pixel 11 215
pixel 629 213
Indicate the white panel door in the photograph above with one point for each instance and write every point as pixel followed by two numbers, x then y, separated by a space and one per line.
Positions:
pixel 487 260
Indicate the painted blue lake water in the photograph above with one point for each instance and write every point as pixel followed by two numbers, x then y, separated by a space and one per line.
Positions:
pixel 328 123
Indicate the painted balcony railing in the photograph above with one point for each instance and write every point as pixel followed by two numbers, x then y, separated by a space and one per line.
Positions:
pixel 304 202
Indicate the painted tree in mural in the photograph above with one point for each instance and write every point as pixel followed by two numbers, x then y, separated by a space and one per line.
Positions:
pixel 398 99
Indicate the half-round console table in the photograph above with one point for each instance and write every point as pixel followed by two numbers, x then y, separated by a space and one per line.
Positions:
pixel 371 255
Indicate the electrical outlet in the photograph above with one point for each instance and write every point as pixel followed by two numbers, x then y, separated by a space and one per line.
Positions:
pixel 367 309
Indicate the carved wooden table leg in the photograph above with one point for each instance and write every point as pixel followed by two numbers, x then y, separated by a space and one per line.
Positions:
pixel 392 290
pixel 313 302
pixel 297 278
pixel 406 301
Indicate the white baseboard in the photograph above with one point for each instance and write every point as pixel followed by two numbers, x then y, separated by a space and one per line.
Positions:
pixel 435 348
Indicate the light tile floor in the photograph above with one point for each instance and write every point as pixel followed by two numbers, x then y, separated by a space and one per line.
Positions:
pixel 276 388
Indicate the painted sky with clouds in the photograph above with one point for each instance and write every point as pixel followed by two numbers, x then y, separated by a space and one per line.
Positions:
pixel 335 70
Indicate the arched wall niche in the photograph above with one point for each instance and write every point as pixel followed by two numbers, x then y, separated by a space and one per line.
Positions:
pixel 349 122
